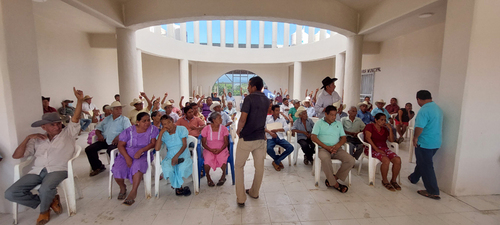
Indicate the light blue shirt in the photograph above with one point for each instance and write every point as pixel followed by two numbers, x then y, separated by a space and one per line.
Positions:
pixel 327 133
pixel 232 99
pixel 430 119
pixel 311 112
pixel 365 117
pixel 225 118
pixel 375 111
pixel 268 94
pixel 111 128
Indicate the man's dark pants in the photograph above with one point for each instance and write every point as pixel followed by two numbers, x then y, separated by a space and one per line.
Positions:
pixel 93 155
pixel 425 169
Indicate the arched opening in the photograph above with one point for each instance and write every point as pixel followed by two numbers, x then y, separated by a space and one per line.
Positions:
pixel 233 81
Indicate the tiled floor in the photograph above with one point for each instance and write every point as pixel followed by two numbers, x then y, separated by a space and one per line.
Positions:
pixel 287 197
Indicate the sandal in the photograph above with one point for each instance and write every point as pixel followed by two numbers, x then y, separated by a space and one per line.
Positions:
pixel 179 191
pixel 426 194
pixel 210 183
pixel 388 186
pixel 186 191
pixel 276 167
pixel 123 195
pixel 248 193
pixel 396 186
pixel 341 188
pixel 128 202
pixel 221 182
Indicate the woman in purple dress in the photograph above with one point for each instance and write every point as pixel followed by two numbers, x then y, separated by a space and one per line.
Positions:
pixel 132 163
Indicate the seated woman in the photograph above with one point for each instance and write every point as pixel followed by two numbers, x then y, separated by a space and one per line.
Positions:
pixel 132 163
pixel 377 134
pixel 178 163
pixel 156 116
pixel 402 119
pixel 215 142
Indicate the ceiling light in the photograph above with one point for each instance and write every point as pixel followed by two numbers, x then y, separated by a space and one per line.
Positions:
pixel 425 15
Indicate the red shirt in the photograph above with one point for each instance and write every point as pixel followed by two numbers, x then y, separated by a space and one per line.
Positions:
pixel 379 138
pixel 49 110
pixel 195 121
pixel 392 108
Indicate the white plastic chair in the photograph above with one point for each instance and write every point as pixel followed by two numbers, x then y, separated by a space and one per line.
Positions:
pixel 146 177
pixel 102 151
pixel 194 175
pixel 373 162
pixel 296 147
pixel 317 164
pixel 69 186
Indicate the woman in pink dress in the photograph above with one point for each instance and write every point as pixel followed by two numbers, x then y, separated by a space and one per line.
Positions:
pixel 215 142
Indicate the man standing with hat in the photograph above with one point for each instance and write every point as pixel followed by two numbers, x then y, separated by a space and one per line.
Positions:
pixel 107 133
pixel 327 97
pixel 51 151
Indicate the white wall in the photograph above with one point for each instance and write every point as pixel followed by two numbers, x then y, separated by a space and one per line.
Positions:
pixel 66 60
pixel 408 63
pixel 161 75
pixel 313 73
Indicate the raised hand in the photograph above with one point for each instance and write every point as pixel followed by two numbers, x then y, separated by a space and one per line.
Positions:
pixel 182 97
pixel 166 94
pixel 78 94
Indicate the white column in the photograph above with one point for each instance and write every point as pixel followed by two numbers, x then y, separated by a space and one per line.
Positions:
pixel 249 33
pixel 298 35
pixel 275 35
pixel 183 32
pixel 209 33
pixel 311 35
pixel 196 33
pixel 170 30
pixel 261 34
pixel 322 34
pixel 140 78
pixel 223 33
pixel 20 87
pixel 235 34
pixel 127 65
pixel 339 73
pixel 297 80
pixel 286 35
pixel 352 77
pixel 184 79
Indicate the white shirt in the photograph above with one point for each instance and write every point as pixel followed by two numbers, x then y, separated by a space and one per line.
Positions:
pixel 281 135
pixel 88 107
pixel 324 100
pixel 230 112
pixel 174 116
pixel 311 112
pixel 285 108
pixel 53 155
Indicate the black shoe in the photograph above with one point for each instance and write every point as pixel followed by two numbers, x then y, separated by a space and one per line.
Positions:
pixel 186 191
pixel 97 171
pixel 241 204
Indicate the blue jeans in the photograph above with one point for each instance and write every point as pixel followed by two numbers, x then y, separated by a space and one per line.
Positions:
pixel 425 169
pixel 84 123
pixel 281 142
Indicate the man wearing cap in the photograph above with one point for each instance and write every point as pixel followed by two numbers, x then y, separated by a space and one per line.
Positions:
pixel 88 106
pixel 303 126
pixel 226 119
pixel 364 114
pixel 252 139
pixel 327 97
pixel 46 105
pixel 291 113
pixel 51 152
pixel 107 133
pixel 277 137
pixel 139 107
pixel 168 106
pixel 311 112
pixel 68 111
pixel 330 136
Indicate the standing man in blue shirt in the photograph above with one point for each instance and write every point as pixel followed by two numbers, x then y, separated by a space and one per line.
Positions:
pixel 427 140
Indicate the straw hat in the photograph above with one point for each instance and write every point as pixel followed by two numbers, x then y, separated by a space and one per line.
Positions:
pixel 166 104
pixel 363 103
pixel 299 111
pixel 135 101
pixel 87 97
pixel 380 101
pixel 214 104
pixel 304 101
pixel 337 105
pixel 47 118
pixel 115 104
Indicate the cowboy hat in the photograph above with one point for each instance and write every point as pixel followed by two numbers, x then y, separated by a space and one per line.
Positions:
pixel 115 104
pixel 299 111
pixel 47 118
pixel 214 104
pixel 87 97
pixel 327 81
pixel 363 103
pixel 380 101
pixel 337 105
pixel 135 101
pixel 166 104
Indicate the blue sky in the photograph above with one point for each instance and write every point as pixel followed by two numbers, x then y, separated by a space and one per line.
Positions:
pixel 241 32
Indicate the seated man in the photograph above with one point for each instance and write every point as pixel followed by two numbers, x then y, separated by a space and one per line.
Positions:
pixel 277 137
pixel 340 111
pixel 46 105
pixel 51 151
pixel 330 136
pixel 352 127
pixel 285 108
pixel 168 107
pixel 293 110
pixel 393 107
pixel 226 119
pixel 87 107
pixel 139 107
pixel 368 104
pixel 229 110
pixel 364 114
pixel 67 111
pixel 196 111
pixel 311 112
pixel 107 132
pixel 303 126
pixel 193 124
